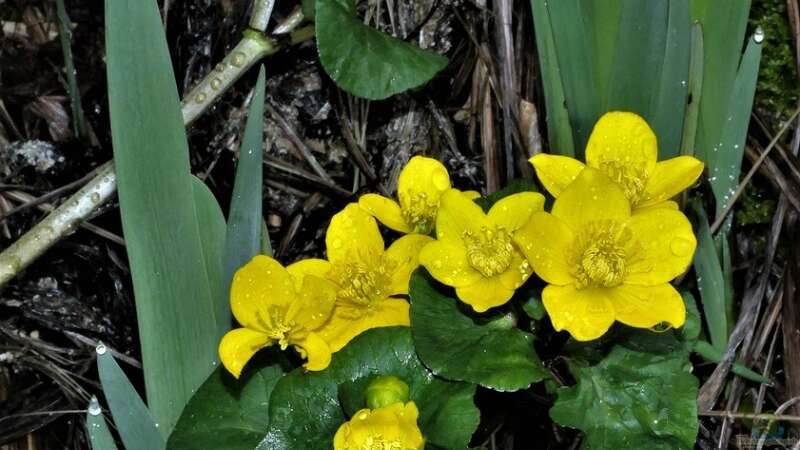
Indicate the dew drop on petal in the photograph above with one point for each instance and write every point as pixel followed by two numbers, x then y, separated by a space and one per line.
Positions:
pixel 680 247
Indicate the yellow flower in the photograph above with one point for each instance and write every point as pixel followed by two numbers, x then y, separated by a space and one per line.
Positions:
pixel 623 147
pixel 603 263
pixel 276 308
pixel 419 188
pixel 474 252
pixel 368 278
pixel 392 427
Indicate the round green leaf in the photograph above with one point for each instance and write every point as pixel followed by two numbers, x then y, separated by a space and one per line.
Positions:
pixel 364 61
pixel 457 344
pixel 306 409
pixel 226 413
pixel 632 399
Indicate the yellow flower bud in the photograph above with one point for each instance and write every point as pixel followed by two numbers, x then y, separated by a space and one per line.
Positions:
pixel 389 427
pixel 386 390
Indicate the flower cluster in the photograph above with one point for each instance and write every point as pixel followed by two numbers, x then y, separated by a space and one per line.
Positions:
pixel 608 249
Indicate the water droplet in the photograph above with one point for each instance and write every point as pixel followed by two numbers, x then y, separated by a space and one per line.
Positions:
pixel 101 349
pixel 337 243
pixel 216 83
pixel 94 407
pixel 200 98
pixel 238 59
pixel 95 198
pixel 680 247
pixel 220 68
pixel 758 36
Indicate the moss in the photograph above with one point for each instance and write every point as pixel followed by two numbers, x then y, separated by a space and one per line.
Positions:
pixel 755 207
pixel 777 90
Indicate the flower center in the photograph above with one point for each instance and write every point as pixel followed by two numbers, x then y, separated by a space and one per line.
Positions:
pixel 599 254
pixel 377 442
pixel 276 325
pixel 419 211
pixel 360 284
pixel 490 250
pixel 630 178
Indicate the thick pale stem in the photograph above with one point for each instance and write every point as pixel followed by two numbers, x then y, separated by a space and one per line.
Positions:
pixel 247 52
pixel 61 222
pixel 262 10
pixel 64 219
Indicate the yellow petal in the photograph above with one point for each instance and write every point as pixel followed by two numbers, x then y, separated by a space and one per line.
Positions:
pixel 446 260
pixel 586 314
pixel 591 197
pixel 556 172
pixel 515 210
pixel 667 204
pixel 545 241
pixel 485 293
pixel 312 266
pixel 423 175
pixel 342 328
pixel 519 270
pixel 260 284
pixel 472 195
pixel 647 306
pixel 624 140
pixel 238 346
pixel 662 247
pixel 316 351
pixel 353 236
pixel 386 210
pixel 403 259
pixel 458 214
pixel 670 178
pixel 314 304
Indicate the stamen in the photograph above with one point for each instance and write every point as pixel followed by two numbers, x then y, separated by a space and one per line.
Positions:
pixel 630 178
pixel 490 250
pixel 277 327
pixel 361 285
pixel 377 442
pixel 599 254
pixel 419 211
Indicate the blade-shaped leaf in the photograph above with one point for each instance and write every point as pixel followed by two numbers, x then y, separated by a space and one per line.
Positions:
pixel 364 61
pixel 710 281
pixel 96 427
pixel 174 304
pixel 229 414
pixel 243 238
pixel 632 400
pixel 306 409
pixel 559 129
pixel 136 426
pixel 212 240
pixel 459 345
pixel 692 116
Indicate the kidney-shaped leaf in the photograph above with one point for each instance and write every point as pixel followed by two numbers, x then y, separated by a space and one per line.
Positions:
pixel 460 345
pixel 306 409
pixel 364 61
pixel 632 400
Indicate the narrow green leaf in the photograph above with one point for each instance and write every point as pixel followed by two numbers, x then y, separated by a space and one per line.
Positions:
pixel 366 62
pixel 65 35
pixel 724 23
pixel 725 158
pixel 727 278
pixel 266 245
pixel 174 304
pixel 99 436
pixel 668 107
pixel 226 413
pixel 710 281
pixel 693 327
pixel 243 238
pixel 712 354
pixel 690 121
pixel 573 51
pixel 557 117
pixel 484 349
pixel 633 400
pixel 136 426
pixel 212 241
pixel 602 20
pixel 306 409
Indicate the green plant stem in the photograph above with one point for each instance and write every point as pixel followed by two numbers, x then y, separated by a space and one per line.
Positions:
pixel 262 10
pixel 64 219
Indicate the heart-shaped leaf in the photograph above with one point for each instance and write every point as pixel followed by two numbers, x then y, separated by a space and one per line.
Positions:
pixel 457 344
pixel 306 409
pixel 364 61
pixel 632 399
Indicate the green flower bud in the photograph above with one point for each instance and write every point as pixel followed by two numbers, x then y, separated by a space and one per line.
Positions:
pixel 386 390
